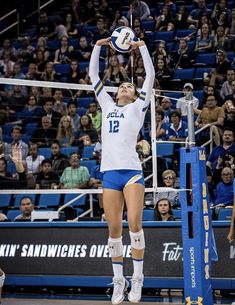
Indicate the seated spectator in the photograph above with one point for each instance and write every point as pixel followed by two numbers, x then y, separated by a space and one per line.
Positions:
pixel 65 135
pixel 177 130
pixel 59 104
pixel 182 58
pixel 25 54
pixel 232 95
pixel 101 31
pixel 70 26
pixel 96 116
pixel 32 73
pixel 104 10
pixel 44 28
pixel 48 104
pixel 221 15
pixel 63 54
pixel 31 112
pixel 26 208
pixel 142 146
pixel 221 41
pixel 33 160
pixel 194 16
pixel 181 17
pixel 49 73
pixel 75 76
pixel 163 72
pixel 229 110
pixel 75 176
pixel 140 34
pixel 161 52
pixel 83 52
pixel 44 135
pixel 204 42
pixel 87 15
pixel 161 126
pixel 16 74
pixel 139 72
pixel 166 108
pixel 119 20
pixel 211 90
pixel 169 179
pixel 182 103
pixel 163 210
pixel 40 62
pixel 170 5
pixel 42 46
pixel 227 146
pixel 16 134
pixel 46 178
pixel 7 181
pixel 140 10
pixel 8 48
pixel 224 189
pixel 59 160
pixel 115 74
pixel 226 160
pixel 213 115
pixel 227 88
pixel 165 21
pixel 6 65
pixel 72 112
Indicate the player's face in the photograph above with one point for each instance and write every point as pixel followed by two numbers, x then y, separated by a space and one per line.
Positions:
pixel 127 91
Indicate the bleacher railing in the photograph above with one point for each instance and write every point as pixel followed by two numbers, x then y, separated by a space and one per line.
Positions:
pixel 15 23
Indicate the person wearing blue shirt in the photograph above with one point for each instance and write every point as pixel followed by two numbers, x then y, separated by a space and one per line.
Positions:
pixel 224 189
pixel 177 129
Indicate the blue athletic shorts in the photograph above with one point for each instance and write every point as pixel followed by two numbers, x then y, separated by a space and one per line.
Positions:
pixel 118 179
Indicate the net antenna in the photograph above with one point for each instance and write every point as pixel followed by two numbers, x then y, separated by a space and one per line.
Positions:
pixel 132 51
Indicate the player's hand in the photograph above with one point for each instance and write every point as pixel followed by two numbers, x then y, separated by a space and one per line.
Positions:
pixel 230 237
pixel 103 42
pixel 136 44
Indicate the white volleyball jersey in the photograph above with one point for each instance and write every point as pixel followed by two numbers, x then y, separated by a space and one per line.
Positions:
pixel 121 124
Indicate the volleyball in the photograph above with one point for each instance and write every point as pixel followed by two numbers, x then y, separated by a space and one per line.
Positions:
pixel 120 38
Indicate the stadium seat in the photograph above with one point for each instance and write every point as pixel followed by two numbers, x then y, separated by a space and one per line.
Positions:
pixel 62 68
pixel 230 56
pixel 78 203
pixel 30 128
pixel 206 58
pixel 225 214
pixel 5 200
pixel 184 32
pixel 88 163
pixel 199 94
pixel 164 35
pixel 11 168
pixel 74 42
pixel 45 151
pixel 87 152
pixel 166 151
pixel 11 214
pixel 49 200
pixel 83 65
pixel 199 72
pixel 84 101
pixel 176 214
pixel 18 197
pixel 53 45
pixel 69 150
pixel 148 214
pixel 186 74
pixel 81 111
pixel 191 46
pixel 148 25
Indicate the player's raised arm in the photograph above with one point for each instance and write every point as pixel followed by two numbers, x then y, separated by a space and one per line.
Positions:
pixel 100 93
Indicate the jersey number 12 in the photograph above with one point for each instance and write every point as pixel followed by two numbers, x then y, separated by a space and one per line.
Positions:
pixel 114 126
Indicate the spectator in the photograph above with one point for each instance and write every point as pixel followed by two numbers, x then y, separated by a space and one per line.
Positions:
pixel 75 176
pixel 140 10
pixel 163 72
pixel 182 102
pixel 7 48
pixel 166 108
pixel 221 15
pixel 224 189
pixel 177 130
pixel 59 160
pixel 163 210
pixel 221 41
pixel 220 151
pixel 33 160
pixel 70 26
pixel 142 146
pixel 232 95
pixel 6 65
pixel 115 74
pixel 119 20
pixel 72 112
pixel 213 115
pixel 227 85
pixel 101 31
pixel 60 29
pixel 59 105
pixel 48 104
pixel 26 208
pixel 204 42
pixel 44 27
pixel 229 110
pixel 194 16
pixel 7 181
pixel 25 54
pixel 46 178
pixel 49 73
pixel 83 52
pixel 161 126
pixel 32 73
pixel 16 135
pixel 44 135
pixel 170 5
pixel 31 112
pixel 161 52
pixel 96 116
pixel 88 13
pixel 42 46
pixel 65 135
pixel 169 179
pixel 182 58
pixel 63 54
pixel 211 90
pixel 181 17
pixel 40 61
pixel 165 22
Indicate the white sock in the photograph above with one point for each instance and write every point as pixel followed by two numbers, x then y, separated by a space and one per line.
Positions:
pixel 2 279
pixel 138 267
pixel 117 269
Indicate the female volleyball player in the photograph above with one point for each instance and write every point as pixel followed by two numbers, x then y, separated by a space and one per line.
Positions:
pixel 123 179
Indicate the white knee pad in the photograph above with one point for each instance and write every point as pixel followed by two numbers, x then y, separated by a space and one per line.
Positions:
pixel 2 279
pixel 115 246
pixel 137 240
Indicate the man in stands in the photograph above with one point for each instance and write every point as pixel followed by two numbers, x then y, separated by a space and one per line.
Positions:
pixel 26 208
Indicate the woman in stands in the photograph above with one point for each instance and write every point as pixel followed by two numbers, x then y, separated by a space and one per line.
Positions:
pixel 65 134
pixel 163 210
pixel 115 74
pixel 123 178
pixel 63 54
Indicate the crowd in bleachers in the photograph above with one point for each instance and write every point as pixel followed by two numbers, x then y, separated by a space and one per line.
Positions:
pixel 193 50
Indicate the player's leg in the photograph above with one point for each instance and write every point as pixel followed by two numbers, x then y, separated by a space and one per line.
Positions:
pixel 134 197
pixel 2 279
pixel 113 208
